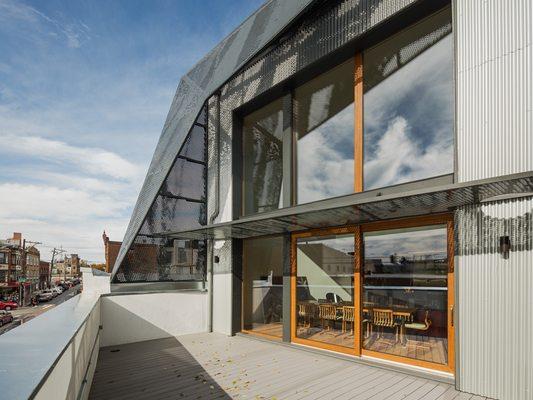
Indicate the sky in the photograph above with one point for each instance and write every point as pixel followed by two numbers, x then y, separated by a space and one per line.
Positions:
pixel 85 87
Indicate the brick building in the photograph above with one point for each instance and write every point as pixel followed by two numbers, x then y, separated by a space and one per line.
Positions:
pixel 44 274
pixel 19 269
pixel 32 267
pixel 111 249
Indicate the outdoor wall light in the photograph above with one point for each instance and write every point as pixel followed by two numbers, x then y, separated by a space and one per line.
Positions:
pixel 505 246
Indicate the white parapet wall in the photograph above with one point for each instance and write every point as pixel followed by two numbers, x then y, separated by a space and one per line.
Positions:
pixel 129 318
pixel 53 356
pixel 95 282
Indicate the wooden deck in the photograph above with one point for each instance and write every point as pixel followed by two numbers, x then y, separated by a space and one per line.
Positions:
pixel 214 366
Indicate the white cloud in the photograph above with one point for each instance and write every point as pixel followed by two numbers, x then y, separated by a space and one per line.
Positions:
pixel 91 160
pixel 398 159
pixel 94 190
pixel 323 171
pixel 16 13
pixel 72 218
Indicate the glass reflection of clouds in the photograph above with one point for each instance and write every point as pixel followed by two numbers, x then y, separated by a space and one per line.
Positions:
pixel 408 105
pixel 422 243
pixel 324 124
pixel 342 243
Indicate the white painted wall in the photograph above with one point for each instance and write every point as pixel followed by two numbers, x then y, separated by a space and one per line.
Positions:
pixel 222 288
pixel 133 318
pixel 95 282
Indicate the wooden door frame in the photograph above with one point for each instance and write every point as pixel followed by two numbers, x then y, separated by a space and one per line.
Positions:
pixel 358 232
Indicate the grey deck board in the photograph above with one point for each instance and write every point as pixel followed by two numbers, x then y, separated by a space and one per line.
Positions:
pixel 214 366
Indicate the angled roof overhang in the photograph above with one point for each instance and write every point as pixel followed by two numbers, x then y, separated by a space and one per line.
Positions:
pixel 361 208
pixel 226 59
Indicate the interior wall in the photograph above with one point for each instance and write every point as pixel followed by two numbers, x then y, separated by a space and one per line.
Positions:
pixel 138 317
pixel 320 282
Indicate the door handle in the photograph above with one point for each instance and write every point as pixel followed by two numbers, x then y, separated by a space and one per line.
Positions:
pixel 452 309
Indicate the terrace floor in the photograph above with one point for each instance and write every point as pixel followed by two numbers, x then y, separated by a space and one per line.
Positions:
pixel 214 366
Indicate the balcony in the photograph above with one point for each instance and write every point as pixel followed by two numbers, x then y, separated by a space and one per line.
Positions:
pixel 100 345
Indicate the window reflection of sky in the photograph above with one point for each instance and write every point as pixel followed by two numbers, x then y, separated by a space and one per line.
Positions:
pixel 325 159
pixel 411 244
pixel 408 120
pixel 343 243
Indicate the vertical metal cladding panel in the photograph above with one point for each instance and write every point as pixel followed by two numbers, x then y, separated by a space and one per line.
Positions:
pixel 314 39
pixel 495 300
pixel 494 87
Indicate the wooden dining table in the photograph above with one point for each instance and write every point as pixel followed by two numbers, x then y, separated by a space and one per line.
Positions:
pixel 402 313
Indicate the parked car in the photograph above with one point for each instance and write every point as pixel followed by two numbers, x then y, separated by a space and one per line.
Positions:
pixel 46 295
pixel 5 317
pixel 58 290
pixel 8 305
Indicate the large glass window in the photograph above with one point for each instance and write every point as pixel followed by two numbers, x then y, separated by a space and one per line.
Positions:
pixel 408 104
pixel 263 159
pixel 324 127
pixel 405 293
pixel 263 285
pixel 325 289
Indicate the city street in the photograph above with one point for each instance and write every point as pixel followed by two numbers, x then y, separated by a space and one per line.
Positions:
pixel 24 314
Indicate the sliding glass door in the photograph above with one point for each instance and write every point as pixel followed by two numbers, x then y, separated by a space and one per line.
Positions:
pixel 262 286
pixel 407 300
pixel 324 294
pixel 382 290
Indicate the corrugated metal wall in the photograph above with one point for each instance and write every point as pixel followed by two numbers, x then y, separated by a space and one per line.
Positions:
pixel 494 138
pixel 495 300
pixel 494 87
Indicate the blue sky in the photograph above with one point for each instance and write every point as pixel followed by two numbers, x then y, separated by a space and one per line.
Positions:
pixel 85 86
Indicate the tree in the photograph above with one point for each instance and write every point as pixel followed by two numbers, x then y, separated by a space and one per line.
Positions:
pixel 101 267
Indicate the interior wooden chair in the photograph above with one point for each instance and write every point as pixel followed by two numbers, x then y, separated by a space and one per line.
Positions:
pixel 420 327
pixel 307 312
pixel 302 314
pixel 348 316
pixel 367 323
pixel 327 313
pixel 384 318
